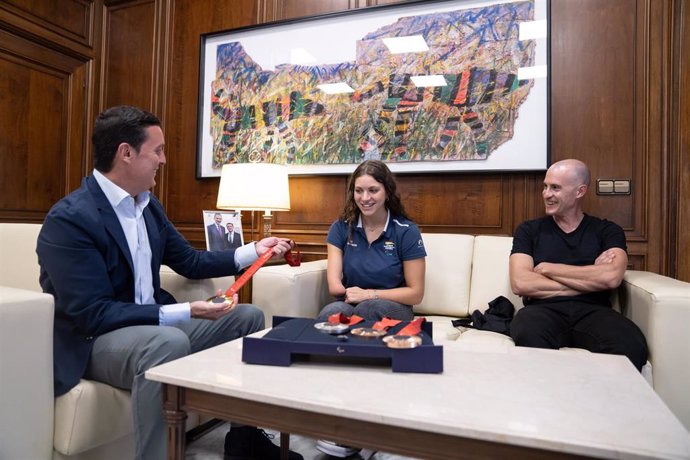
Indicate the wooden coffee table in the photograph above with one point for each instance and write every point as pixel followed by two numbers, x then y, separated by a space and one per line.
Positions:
pixel 512 403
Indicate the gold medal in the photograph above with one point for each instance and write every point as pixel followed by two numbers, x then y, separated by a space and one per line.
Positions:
pixel 219 299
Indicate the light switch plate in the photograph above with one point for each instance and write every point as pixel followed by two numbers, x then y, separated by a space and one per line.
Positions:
pixel 621 187
pixel 604 187
pixel 613 186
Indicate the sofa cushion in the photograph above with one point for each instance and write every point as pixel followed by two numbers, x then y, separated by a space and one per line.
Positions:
pixel 490 277
pixel 119 449
pixel 91 414
pixel 302 290
pixel 448 272
pixel 443 330
pixel 188 290
pixel 476 340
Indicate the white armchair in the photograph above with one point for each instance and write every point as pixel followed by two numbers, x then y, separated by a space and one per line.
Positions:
pixel 91 421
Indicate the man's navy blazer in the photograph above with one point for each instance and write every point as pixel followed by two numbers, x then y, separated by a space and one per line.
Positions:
pixel 86 265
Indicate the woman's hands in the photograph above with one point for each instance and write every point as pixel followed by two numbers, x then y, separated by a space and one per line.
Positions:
pixel 355 295
pixel 206 309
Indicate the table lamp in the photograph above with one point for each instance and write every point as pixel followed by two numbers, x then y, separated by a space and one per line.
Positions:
pixel 254 187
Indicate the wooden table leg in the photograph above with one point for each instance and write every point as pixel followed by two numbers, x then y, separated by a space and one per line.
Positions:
pixel 284 446
pixel 175 416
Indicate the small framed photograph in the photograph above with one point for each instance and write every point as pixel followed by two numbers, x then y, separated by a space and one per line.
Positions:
pixel 223 230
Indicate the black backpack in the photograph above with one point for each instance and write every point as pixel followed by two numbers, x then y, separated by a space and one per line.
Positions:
pixel 496 318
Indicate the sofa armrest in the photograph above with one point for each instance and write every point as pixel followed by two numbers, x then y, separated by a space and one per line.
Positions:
pixel 188 290
pixel 282 290
pixel 26 373
pixel 660 306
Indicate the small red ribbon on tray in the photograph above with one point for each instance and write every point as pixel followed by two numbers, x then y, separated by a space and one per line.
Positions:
pixel 413 328
pixel 341 318
pixel 385 324
pixel 294 260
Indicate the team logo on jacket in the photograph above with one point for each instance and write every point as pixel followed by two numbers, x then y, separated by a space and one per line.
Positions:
pixel 388 248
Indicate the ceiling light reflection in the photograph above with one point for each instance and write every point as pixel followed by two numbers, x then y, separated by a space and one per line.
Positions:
pixel 336 88
pixel 422 81
pixel 533 29
pixel 301 56
pixel 409 44
pixel 528 73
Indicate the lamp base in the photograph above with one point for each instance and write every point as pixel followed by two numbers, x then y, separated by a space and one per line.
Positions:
pixel 267 224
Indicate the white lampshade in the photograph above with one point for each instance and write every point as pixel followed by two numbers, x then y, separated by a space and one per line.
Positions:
pixel 254 187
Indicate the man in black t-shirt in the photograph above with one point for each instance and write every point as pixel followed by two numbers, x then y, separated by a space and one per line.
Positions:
pixel 564 266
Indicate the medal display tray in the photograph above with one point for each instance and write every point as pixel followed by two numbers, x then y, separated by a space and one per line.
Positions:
pixel 296 338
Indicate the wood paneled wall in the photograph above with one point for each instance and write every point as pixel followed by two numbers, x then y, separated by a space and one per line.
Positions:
pixel 47 53
pixel 618 73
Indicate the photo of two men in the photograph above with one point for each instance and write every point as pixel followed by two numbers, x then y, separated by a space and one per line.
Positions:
pixel 223 230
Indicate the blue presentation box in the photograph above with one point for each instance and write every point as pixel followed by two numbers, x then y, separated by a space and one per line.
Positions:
pixel 296 338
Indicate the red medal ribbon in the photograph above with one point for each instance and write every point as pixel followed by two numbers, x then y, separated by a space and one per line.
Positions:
pixel 413 328
pixel 294 260
pixel 385 324
pixel 341 318
pixel 242 280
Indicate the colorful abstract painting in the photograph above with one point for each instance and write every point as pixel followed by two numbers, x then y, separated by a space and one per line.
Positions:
pixel 280 115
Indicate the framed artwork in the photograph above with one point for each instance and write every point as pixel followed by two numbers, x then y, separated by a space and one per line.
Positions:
pixel 445 85
pixel 223 230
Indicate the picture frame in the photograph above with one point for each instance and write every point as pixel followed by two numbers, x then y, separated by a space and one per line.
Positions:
pixel 229 236
pixel 481 104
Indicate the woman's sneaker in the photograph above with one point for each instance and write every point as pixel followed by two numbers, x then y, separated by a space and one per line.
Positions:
pixel 335 450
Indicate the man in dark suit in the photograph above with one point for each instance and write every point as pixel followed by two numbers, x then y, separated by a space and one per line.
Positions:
pixel 216 234
pixel 100 250
pixel 232 238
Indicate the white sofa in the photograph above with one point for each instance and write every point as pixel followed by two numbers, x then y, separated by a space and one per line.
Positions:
pixel 93 421
pixel 464 273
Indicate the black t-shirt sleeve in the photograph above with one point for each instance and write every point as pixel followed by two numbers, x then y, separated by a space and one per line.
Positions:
pixel 523 239
pixel 612 236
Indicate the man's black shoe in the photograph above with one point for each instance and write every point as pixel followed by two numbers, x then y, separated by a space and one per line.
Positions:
pixel 250 443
